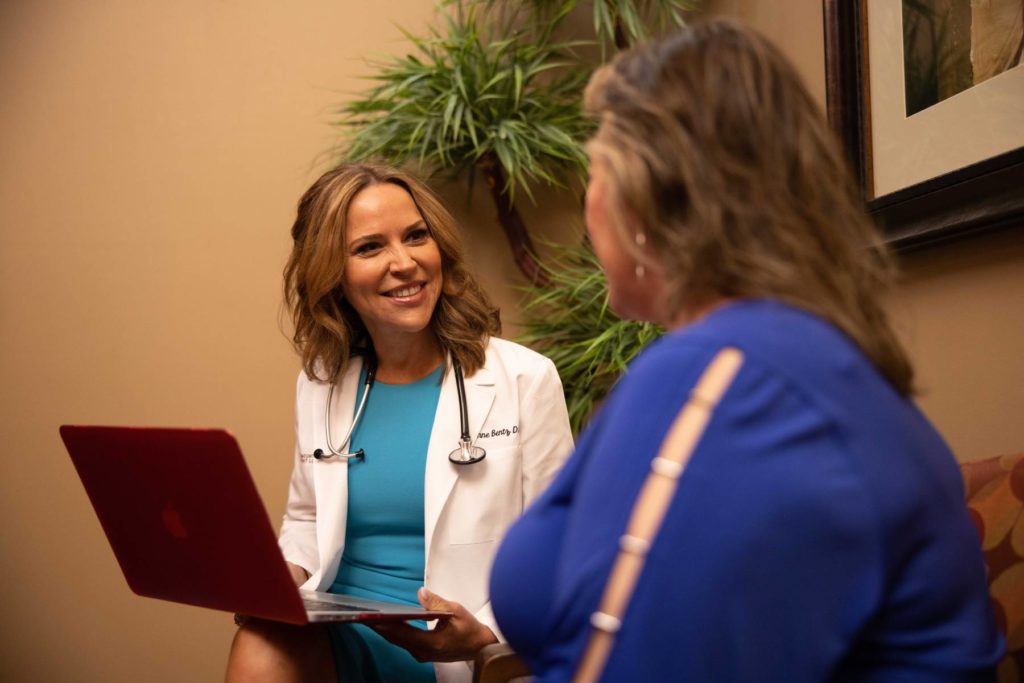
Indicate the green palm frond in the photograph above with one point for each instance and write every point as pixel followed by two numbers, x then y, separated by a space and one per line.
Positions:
pixel 619 23
pixel 627 22
pixel 461 99
pixel 477 95
pixel 570 322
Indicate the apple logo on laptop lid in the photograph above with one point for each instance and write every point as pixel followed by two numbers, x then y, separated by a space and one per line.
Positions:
pixel 172 522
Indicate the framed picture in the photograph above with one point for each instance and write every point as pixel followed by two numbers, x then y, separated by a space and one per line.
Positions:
pixel 933 124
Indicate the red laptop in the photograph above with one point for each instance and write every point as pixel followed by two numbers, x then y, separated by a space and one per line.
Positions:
pixel 183 517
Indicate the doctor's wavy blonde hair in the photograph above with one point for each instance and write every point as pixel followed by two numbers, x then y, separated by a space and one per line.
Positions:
pixel 328 331
pixel 712 147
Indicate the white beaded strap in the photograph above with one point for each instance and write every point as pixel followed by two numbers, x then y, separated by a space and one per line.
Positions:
pixel 651 505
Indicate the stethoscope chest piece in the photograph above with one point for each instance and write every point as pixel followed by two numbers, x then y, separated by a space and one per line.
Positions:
pixel 466 453
pixel 319 454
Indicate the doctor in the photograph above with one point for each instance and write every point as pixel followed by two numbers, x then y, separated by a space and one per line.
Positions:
pixel 404 482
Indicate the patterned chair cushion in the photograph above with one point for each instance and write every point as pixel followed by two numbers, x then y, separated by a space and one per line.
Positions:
pixel 995 500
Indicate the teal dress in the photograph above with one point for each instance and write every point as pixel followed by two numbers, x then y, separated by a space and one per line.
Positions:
pixel 384 547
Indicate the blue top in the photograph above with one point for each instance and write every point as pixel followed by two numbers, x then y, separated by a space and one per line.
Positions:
pixel 818 533
pixel 384 539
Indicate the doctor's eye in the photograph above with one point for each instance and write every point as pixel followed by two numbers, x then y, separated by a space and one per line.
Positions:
pixel 417 236
pixel 366 248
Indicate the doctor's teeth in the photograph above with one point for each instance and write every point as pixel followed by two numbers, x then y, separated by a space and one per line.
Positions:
pixel 406 291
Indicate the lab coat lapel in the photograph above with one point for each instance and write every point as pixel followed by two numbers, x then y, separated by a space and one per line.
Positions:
pixel 441 474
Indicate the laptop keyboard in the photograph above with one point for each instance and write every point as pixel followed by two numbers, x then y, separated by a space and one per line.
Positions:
pixel 324 606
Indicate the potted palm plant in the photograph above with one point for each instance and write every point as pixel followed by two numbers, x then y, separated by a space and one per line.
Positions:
pixel 494 93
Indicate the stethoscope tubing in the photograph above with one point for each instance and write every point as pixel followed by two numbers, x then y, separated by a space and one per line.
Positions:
pixel 465 454
pixel 371 376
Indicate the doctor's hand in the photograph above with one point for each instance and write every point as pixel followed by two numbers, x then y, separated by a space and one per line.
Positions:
pixel 454 639
pixel 299 575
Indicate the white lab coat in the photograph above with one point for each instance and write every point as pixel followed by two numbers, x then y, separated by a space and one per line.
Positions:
pixel 516 412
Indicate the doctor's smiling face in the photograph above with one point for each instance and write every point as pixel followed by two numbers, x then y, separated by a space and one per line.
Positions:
pixel 392 274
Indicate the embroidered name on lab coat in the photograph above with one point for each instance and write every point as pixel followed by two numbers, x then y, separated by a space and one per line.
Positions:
pixel 499 431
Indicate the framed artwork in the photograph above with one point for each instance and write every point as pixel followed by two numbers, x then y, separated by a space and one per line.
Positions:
pixel 928 99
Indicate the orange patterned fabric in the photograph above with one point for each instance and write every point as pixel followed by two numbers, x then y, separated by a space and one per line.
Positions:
pixel 995 500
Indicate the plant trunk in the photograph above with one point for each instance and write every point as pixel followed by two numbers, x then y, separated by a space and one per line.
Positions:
pixel 523 253
pixel 621 41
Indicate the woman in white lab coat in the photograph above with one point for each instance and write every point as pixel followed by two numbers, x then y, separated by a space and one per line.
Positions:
pixel 376 282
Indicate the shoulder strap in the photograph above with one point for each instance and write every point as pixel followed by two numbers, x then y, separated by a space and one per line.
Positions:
pixel 651 505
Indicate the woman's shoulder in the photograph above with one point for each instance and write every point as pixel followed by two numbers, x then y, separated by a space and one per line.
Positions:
pixel 793 350
pixel 777 337
pixel 512 354
pixel 306 381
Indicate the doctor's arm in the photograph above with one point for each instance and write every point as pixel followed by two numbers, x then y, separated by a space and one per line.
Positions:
pixel 546 435
pixel 298 528
pixel 546 443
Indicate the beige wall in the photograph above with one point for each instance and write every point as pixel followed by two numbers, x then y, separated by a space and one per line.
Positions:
pixel 152 157
pixel 961 311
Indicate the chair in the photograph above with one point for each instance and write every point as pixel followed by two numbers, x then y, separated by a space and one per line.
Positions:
pixel 995 501
pixel 498 663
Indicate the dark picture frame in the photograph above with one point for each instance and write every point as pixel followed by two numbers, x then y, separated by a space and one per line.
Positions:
pixel 980 197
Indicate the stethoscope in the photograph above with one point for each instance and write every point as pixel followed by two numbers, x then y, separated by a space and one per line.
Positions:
pixel 465 454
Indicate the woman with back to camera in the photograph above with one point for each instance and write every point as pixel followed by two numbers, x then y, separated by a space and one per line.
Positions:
pixel 376 283
pixel 803 521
